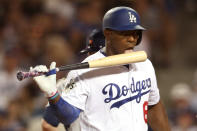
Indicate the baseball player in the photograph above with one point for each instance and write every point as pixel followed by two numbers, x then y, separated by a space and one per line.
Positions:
pixel 95 41
pixel 119 98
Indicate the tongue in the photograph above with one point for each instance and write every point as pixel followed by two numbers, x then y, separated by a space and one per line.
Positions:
pixel 128 51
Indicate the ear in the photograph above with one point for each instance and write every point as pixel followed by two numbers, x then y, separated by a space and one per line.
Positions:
pixel 107 33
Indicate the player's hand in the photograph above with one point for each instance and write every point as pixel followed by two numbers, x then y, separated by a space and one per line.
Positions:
pixel 46 83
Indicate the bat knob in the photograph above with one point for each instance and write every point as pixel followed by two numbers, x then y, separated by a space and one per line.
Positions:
pixel 19 76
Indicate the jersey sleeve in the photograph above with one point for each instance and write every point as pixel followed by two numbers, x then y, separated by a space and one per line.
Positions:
pixel 76 90
pixel 61 85
pixel 154 95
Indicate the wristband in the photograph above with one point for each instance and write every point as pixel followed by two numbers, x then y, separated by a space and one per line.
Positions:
pixel 53 97
pixel 51 72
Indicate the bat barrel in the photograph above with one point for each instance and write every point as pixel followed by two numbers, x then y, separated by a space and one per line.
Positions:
pixel 120 59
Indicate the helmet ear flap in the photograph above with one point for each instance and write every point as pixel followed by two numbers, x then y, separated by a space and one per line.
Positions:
pixel 140 37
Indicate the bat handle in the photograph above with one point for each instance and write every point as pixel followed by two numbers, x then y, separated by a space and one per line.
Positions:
pixel 23 75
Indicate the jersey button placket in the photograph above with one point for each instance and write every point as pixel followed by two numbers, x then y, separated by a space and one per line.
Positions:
pixel 129 86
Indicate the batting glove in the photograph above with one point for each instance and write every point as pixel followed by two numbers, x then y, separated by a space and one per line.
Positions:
pixel 47 83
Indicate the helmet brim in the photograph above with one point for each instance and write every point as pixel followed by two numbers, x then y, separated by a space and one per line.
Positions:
pixel 128 28
pixel 85 51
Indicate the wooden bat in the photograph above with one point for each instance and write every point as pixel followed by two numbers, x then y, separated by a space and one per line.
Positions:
pixel 114 60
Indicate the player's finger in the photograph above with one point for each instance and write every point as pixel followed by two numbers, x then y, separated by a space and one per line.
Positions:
pixel 31 69
pixel 52 71
pixel 40 68
pixel 53 65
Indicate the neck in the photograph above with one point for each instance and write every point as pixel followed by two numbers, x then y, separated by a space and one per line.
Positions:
pixel 106 51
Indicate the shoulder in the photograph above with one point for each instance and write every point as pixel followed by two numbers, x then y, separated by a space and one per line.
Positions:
pixel 75 73
pixel 147 62
pixel 146 65
pixel 94 56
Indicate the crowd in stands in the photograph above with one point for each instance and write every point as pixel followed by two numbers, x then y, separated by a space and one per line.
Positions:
pixel 34 32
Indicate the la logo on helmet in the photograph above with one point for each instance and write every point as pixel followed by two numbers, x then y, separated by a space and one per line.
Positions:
pixel 132 18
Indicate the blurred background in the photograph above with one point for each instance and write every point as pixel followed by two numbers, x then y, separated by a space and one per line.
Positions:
pixel 34 32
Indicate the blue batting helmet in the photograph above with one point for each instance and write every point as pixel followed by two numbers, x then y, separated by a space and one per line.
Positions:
pixel 95 41
pixel 123 19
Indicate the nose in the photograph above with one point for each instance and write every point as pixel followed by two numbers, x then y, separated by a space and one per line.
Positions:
pixel 131 38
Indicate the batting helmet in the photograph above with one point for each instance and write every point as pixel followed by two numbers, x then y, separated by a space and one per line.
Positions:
pixel 95 41
pixel 123 19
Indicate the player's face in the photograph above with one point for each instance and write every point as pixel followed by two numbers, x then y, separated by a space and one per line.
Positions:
pixel 121 41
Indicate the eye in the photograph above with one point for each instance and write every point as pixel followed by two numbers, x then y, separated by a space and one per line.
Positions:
pixel 134 33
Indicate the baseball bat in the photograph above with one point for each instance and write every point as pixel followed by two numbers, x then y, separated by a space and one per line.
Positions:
pixel 114 60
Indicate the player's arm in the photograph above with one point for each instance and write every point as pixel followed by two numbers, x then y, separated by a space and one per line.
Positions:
pixel 157 117
pixel 49 121
pixel 47 127
pixel 64 112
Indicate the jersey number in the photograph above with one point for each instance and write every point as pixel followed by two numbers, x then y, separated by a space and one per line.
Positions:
pixel 145 110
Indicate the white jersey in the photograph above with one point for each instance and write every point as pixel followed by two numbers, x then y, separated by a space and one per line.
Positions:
pixel 112 98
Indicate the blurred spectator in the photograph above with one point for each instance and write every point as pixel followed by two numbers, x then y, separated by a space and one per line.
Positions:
pixel 144 45
pixel 161 29
pixel 63 8
pixel 1 52
pixel 190 6
pixel 89 17
pixel 10 86
pixel 32 7
pixel 181 116
pixel 31 99
pixel 39 28
pixel 185 121
pixel 3 121
pixel 32 44
pixel 13 23
pixel 20 110
pixel 194 95
pixel 181 94
pixel 13 119
pixel 63 13
pixel 59 50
